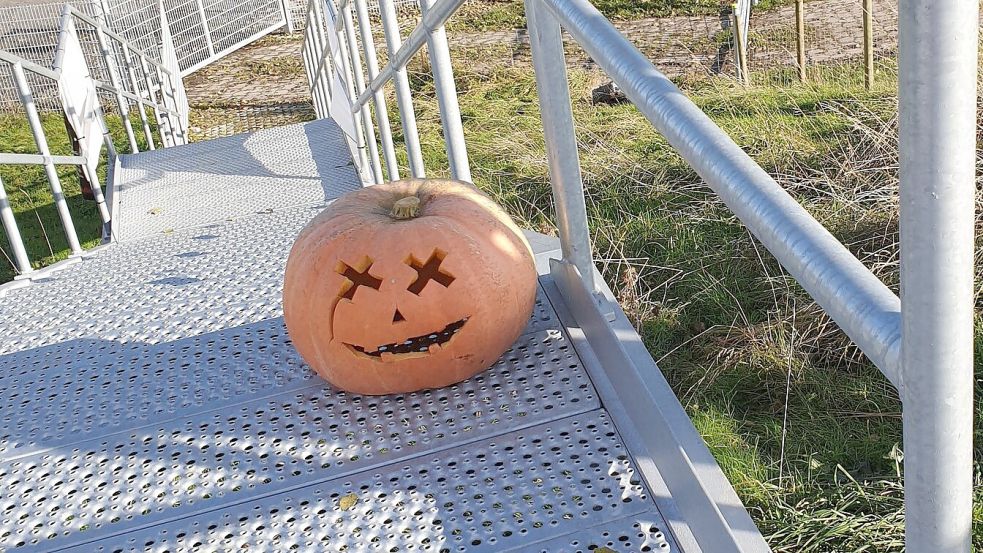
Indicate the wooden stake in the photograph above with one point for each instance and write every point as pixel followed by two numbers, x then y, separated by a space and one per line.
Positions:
pixel 868 43
pixel 800 39
pixel 741 57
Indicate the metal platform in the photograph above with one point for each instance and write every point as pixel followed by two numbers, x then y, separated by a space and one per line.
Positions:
pixel 150 398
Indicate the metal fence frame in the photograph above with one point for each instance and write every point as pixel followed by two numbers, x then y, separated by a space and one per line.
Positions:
pixel 154 90
pixel 923 344
pixel 203 31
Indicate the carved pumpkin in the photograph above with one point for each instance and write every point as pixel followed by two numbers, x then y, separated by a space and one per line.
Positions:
pixel 408 285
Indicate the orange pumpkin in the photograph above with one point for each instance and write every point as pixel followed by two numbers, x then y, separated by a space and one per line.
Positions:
pixel 409 285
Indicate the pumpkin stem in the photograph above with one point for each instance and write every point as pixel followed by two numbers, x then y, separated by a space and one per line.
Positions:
pixel 405 208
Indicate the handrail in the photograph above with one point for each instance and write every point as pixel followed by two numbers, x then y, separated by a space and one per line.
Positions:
pixel 856 299
pixel 853 296
pixel 29 65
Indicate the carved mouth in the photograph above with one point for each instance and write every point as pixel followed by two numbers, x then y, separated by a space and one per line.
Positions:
pixel 428 343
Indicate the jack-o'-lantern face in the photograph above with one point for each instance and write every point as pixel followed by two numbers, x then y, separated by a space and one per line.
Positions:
pixel 381 303
pixel 375 302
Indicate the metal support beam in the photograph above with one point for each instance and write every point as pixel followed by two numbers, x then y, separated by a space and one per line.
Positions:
pixel 561 138
pixel 938 41
pixel 446 90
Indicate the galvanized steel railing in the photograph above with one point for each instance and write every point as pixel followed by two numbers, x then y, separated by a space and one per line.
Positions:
pixel 134 78
pixel 203 30
pixel 140 82
pixel 922 344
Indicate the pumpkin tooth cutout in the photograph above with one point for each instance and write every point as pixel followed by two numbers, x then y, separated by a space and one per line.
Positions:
pixel 408 285
pixel 417 345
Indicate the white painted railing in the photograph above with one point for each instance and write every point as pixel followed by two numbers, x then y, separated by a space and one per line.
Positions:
pixel 923 344
pixel 139 84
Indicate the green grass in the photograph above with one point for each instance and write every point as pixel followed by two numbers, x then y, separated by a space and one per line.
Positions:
pixel 497 15
pixel 30 194
pixel 804 426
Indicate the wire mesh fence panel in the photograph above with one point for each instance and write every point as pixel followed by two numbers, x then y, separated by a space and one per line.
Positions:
pixel 31 32
pixel 833 33
pixel 298 10
pixel 9 99
pixel 202 30
pixel 190 33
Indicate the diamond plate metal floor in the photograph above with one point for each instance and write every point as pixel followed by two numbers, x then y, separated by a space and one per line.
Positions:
pixel 150 398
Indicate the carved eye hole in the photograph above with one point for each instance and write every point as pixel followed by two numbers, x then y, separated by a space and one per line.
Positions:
pixel 425 272
pixel 357 278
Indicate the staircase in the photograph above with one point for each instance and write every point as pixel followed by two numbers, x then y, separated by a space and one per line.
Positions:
pixel 170 412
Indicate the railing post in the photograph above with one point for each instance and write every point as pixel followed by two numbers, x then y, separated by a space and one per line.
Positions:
pixel 21 262
pixel 404 97
pixel 113 70
pixel 321 56
pixel 136 91
pixel 937 119
pixel 170 109
pixel 446 89
pixel 740 45
pixel 359 83
pixel 561 140
pixel 206 31
pixel 288 19
pixel 800 38
pixel 34 119
pixel 379 97
pixel 163 122
pixel 346 71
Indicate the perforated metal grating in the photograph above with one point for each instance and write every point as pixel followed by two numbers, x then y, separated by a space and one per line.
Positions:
pixel 241 175
pixel 120 380
pixel 643 533
pixel 159 289
pixel 150 399
pixel 247 448
pixel 509 492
